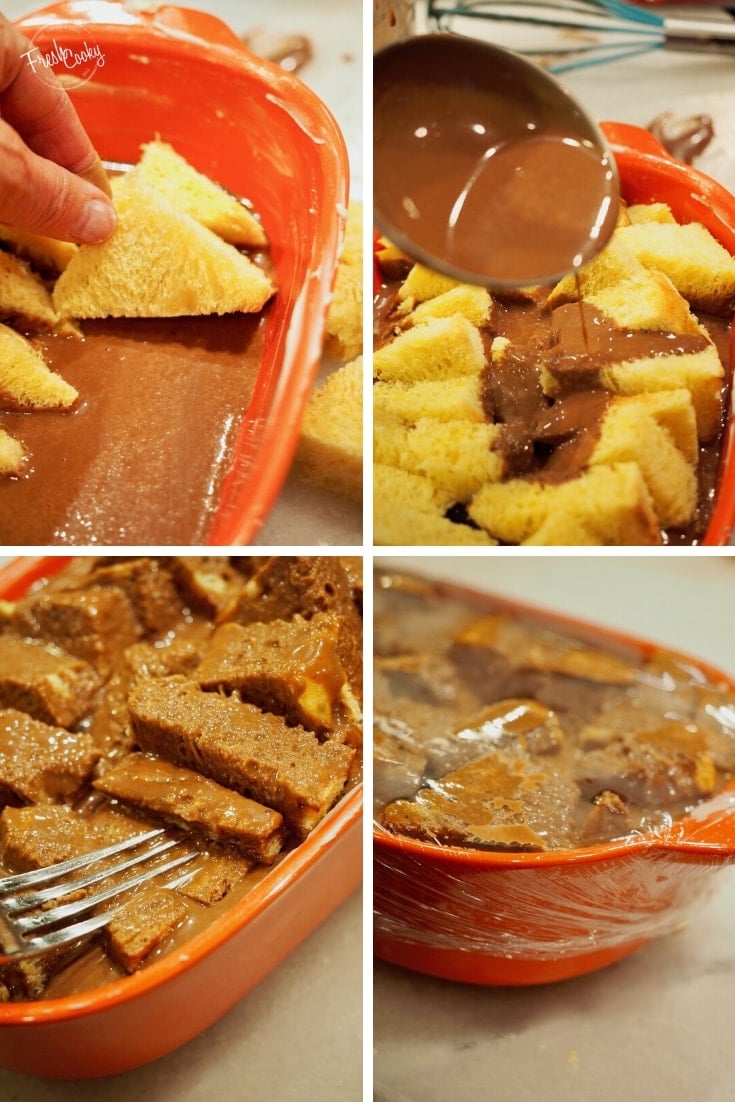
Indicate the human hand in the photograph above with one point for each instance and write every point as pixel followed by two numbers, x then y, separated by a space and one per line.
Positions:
pixel 50 175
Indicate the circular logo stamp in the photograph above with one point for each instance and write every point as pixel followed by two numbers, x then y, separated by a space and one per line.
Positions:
pixel 68 50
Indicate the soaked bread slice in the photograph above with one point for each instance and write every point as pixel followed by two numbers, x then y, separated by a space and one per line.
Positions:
pixel 191 192
pixel 626 291
pixel 25 380
pixel 253 752
pixel 187 799
pixel 159 262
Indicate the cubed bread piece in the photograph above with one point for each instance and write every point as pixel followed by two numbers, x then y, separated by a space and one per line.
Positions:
pixel 629 293
pixel 443 348
pixel 149 586
pixel 408 509
pixel 701 373
pixel 40 763
pixel 109 725
pixel 701 269
pixel 526 649
pixel 456 456
pixel 196 803
pixel 142 924
pixel 422 283
pixel 52 687
pixel 449 400
pixel 607 505
pixel 290 667
pixel 217 876
pixel 284 586
pixel 26 382
pixel 649 212
pixel 473 303
pixel 630 434
pixel 239 746
pixel 504 800
pixel 330 441
pixel 650 768
pixel 207 583
pixel 95 623
pixel 607 818
pixel 38 836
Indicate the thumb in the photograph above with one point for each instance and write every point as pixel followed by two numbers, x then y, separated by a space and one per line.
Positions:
pixel 39 195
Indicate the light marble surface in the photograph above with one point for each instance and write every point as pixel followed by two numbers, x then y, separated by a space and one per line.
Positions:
pixel 656 1027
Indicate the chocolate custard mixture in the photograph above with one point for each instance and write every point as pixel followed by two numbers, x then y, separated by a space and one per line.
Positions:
pixel 218 698
pixel 494 731
pixel 141 457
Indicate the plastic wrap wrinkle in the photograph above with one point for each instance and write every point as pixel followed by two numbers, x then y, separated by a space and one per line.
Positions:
pixel 630 899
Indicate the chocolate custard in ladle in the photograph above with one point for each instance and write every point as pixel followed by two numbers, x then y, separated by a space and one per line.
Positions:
pixel 484 167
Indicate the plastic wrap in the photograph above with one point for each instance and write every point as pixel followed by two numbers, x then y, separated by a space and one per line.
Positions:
pixel 553 900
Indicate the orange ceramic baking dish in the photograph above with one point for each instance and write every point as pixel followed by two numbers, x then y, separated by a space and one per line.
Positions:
pixel 258 131
pixel 141 1017
pixel 500 918
pixel 647 175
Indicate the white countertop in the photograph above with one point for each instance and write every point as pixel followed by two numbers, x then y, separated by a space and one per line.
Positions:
pixel 656 1027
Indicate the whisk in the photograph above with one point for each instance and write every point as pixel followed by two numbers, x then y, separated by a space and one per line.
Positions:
pixel 579 33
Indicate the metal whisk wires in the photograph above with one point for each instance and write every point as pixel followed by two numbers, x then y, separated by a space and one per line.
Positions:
pixel 573 34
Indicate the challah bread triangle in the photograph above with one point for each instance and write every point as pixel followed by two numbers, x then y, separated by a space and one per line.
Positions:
pixel 161 167
pixel 23 295
pixel 158 263
pixel 25 380
pixel 48 254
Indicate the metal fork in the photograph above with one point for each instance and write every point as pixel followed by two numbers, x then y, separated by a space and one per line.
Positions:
pixel 33 917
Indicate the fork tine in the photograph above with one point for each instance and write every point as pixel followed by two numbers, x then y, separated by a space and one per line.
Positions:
pixel 21 880
pixel 42 920
pixel 16 904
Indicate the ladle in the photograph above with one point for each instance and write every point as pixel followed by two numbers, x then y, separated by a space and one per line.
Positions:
pixel 484 168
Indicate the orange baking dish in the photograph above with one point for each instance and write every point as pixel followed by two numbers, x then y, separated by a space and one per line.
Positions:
pixel 648 174
pixel 260 132
pixel 141 1017
pixel 503 918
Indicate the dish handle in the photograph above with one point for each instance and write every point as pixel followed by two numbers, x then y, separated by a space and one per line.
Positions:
pixel 625 136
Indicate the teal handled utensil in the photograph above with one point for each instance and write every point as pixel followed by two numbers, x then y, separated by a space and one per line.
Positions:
pixel 580 33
